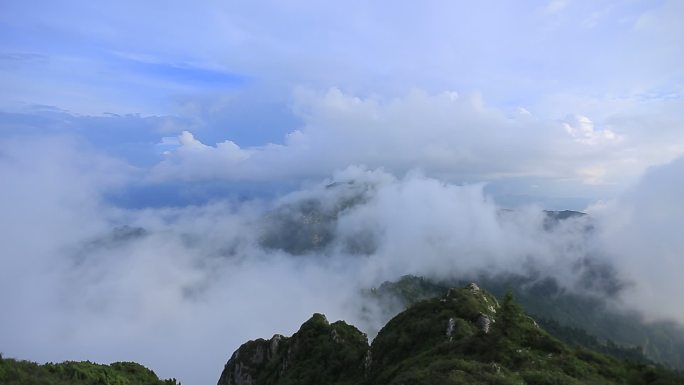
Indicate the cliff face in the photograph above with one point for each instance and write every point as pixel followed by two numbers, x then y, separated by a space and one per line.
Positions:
pixel 319 353
pixel 464 337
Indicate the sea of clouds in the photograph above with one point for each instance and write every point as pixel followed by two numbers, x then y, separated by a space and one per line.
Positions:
pixel 180 288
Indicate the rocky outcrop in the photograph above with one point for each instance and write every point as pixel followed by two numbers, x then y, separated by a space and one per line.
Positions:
pixel 319 353
pixel 246 364
pixel 483 323
pixel 450 328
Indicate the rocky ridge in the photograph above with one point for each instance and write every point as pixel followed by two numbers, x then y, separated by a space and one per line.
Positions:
pixel 319 353
pixel 464 337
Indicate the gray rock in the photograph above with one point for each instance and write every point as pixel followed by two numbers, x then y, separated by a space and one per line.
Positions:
pixel 483 323
pixel 473 286
pixel 450 328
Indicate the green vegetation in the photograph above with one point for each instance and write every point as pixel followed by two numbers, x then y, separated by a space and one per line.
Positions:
pixel 16 372
pixel 415 348
pixel 464 337
pixel 577 320
pixel 319 353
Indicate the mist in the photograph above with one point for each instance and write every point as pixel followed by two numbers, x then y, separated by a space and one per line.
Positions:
pixel 642 233
pixel 178 289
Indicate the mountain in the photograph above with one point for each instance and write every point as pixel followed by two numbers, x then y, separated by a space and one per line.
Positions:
pixel 463 337
pixel 16 372
pixel 307 225
pixel 577 319
pixel 319 353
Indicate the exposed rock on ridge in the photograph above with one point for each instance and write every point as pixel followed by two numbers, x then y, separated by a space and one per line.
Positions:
pixel 319 353
pixel 464 337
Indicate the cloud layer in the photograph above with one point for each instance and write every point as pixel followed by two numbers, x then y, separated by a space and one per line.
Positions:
pixel 179 289
pixel 642 233
pixel 457 138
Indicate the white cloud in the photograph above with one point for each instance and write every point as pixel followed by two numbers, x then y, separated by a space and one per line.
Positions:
pixel 457 138
pixel 507 52
pixel 202 277
pixel 193 160
pixel 643 234
pixel 582 129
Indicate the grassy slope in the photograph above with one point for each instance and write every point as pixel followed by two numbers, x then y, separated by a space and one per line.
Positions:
pixel 413 348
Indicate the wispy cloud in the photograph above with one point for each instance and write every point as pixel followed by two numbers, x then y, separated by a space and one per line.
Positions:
pixel 555 6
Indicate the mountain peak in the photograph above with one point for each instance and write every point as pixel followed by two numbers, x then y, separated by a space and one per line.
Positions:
pixel 318 353
pixel 464 336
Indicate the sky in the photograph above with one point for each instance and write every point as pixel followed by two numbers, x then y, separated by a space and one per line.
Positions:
pixel 193 121
pixel 561 103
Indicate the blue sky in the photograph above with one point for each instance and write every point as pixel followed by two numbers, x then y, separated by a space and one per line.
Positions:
pixel 127 78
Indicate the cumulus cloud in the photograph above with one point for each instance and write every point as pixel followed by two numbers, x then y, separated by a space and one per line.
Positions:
pixel 450 136
pixel 582 129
